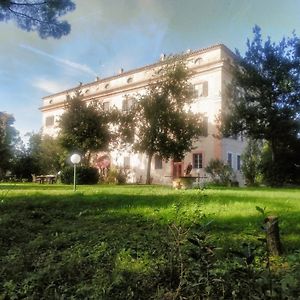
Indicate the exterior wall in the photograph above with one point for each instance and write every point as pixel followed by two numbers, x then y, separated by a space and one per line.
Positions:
pixel 52 130
pixel 210 75
pixel 236 148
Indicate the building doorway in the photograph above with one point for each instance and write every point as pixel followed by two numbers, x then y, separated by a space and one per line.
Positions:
pixel 177 169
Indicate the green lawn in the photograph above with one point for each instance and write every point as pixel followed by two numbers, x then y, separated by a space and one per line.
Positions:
pixel 132 242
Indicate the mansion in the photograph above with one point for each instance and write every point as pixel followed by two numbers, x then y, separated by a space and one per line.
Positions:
pixel 210 76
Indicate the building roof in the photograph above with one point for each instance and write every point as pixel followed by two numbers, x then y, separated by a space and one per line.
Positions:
pixel 146 67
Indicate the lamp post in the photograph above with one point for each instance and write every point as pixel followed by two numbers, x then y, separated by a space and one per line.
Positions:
pixel 75 159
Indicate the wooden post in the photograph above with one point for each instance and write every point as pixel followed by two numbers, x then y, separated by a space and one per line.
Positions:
pixel 272 235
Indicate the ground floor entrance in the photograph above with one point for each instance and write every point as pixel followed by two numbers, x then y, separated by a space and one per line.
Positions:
pixel 177 169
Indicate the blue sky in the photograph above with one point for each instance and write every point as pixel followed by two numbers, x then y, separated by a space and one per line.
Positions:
pixel 109 34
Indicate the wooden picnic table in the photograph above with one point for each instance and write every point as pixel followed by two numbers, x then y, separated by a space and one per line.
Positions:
pixel 45 179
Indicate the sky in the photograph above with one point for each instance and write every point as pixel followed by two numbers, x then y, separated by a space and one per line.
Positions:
pixel 107 35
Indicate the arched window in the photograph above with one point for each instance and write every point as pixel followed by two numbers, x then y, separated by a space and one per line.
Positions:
pixel 198 61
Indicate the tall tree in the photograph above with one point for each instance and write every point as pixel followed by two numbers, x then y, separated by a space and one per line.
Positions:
pixel 264 96
pixel 163 124
pixel 43 155
pixel 52 155
pixel 9 137
pixel 38 15
pixel 251 158
pixel 84 128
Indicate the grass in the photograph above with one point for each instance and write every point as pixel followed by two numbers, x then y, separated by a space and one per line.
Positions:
pixel 114 242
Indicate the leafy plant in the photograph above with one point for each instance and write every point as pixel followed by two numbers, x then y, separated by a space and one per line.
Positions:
pixel 263 102
pixel 161 121
pixel 84 175
pixel 40 16
pixel 219 172
pixel 84 128
pixel 116 176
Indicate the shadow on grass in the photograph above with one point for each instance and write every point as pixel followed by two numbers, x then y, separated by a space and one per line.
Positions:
pixel 120 212
pixel 57 242
pixel 54 249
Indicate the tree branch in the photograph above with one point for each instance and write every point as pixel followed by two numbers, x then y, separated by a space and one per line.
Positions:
pixel 28 4
pixel 29 17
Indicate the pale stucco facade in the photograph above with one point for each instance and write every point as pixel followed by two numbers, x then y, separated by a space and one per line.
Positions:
pixel 210 69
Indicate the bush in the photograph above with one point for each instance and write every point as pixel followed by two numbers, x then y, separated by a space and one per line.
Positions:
pixel 84 175
pixel 219 172
pixel 117 176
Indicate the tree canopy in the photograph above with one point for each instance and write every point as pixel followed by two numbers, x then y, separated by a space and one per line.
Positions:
pixel 84 128
pixel 9 137
pixel 264 98
pixel 38 15
pixel 163 124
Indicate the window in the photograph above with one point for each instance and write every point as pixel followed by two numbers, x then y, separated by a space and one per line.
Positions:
pixel 194 91
pixel 238 162
pixel 49 121
pixel 159 71
pixel 203 89
pixel 229 159
pixel 127 103
pixel 197 161
pixel 106 106
pixel 198 60
pixel 127 162
pixel 157 162
pixel 200 89
pixel 129 80
pixel 106 86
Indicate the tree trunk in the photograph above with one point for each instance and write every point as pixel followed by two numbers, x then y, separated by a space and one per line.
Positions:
pixel 148 178
pixel 272 235
pixel 88 158
pixel 273 150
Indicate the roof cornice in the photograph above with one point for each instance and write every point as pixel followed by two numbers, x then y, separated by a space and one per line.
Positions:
pixel 140 69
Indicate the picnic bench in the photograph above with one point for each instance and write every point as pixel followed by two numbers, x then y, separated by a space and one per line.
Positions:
pixel 43 178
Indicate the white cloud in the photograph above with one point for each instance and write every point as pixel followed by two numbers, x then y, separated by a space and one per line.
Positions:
pixel 75 66
pixel 49 86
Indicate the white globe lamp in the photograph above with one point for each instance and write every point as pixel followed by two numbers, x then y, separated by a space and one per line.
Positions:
pixel 75 159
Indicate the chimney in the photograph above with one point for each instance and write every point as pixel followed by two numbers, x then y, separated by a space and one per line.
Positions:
pixel 162 57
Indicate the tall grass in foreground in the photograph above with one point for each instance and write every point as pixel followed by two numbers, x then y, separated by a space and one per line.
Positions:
pixel 140 242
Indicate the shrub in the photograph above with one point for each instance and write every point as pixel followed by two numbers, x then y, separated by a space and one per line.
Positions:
pixel 219 172
pixel 122 176
pixel 84 175
pixel 117 176
pixel 111 176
